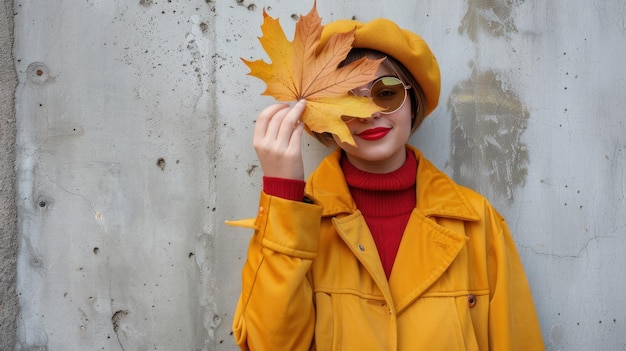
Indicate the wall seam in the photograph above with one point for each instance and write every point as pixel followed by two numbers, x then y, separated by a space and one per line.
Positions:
pixel 9 306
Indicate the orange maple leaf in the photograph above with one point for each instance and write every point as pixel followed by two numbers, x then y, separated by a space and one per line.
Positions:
pixel 299 69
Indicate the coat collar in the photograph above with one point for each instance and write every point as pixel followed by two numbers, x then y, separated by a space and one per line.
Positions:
pixel 437 195
pixel 422 259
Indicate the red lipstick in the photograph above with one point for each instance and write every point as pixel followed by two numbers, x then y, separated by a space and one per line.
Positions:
pixel 374 133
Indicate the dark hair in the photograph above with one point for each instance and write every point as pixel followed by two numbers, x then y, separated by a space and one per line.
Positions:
pixel 416 94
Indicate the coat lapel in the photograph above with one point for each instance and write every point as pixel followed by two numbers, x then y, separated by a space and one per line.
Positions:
pixel 427 249
pixel 354 232
pixel 426 252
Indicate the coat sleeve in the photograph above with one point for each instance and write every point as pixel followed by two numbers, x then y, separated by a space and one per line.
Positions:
pixel 513 323
pixel 276 309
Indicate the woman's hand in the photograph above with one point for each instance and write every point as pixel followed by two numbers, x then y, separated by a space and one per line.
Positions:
pixel 278 141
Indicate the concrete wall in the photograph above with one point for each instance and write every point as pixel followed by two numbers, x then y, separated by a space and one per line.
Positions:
pixel 134 124
pixel 9 306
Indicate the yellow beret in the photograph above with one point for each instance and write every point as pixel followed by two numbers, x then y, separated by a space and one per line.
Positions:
pixel 407 47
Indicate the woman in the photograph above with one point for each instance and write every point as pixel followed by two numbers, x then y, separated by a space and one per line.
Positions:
pixel 379 250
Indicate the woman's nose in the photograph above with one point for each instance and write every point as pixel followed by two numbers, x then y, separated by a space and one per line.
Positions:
pixel 376 115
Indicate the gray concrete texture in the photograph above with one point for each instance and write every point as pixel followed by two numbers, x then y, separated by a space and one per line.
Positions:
pixel 132 123
pixel 9 306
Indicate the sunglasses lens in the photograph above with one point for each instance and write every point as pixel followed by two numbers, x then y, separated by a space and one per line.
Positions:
pixel 389 93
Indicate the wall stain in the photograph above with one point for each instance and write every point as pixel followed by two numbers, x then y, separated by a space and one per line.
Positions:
pixel 487 122
pixel 251 169
pixel 250 7
pixel 488 117
pixel 161 163
pixel 557 335
pixel 204 27
pixel 491 16
pixel 116 318
pixel 116 321
pixel 38 73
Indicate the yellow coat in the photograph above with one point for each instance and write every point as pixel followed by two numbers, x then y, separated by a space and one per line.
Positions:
pixel 313 278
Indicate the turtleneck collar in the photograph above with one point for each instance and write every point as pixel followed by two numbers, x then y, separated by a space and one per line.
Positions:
pixel 400 179
pixel 382 195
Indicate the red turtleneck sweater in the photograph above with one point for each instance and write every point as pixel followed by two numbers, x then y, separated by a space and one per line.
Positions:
pixel 385 200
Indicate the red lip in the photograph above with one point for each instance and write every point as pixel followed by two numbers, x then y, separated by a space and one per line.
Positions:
pixel 374 133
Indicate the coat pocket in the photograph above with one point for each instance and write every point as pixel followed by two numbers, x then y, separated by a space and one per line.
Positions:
pixel 347 321
pixel 438 323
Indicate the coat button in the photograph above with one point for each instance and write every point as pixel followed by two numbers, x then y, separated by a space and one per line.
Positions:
pixel 361 248
pixel 471 300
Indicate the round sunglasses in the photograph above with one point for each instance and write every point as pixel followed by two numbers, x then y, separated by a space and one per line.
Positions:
pixel 388 92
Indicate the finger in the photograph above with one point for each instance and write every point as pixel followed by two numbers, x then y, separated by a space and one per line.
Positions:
pixel 264 119
pixel 275 124
pixel 296 136
pixel 290 121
